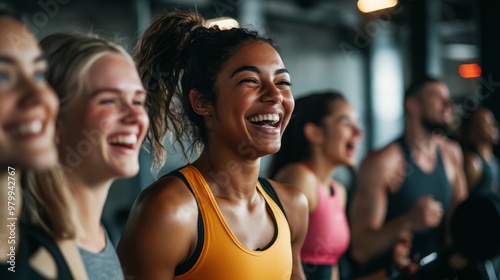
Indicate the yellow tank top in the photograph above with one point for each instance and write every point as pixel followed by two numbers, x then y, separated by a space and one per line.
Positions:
pixel 223 257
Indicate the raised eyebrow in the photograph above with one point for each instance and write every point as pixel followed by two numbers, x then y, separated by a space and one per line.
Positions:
pixel 246 68
pixel 347 118
pixel 116 91
pixel 343 117
pixel 101 90
pixel 10 60
pixel 7 59
pixel 141 91
pixel 40 58
pixel 281 71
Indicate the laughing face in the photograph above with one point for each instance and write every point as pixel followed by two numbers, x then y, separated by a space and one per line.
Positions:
pixel 28 106
pixel 101 132
pixel 254 101
pixel 341 134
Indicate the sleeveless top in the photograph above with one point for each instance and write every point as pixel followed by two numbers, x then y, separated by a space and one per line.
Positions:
pixel 102 265
pixel 328 233
pixel 221 255
pixel 416 185
pixel 489 182
pixel 30 240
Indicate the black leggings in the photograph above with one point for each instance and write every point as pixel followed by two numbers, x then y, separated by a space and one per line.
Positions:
pixel 317 271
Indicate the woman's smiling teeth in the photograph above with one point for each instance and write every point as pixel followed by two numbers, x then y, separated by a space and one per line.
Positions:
pixel 126 140
pixel 265 119
pixel 33 127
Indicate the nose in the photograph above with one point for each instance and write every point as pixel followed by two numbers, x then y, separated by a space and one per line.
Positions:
pixel 448 104
pixel 272 94
pixel 133 113
pixel 34 93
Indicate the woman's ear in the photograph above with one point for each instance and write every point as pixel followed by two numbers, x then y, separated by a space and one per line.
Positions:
pixel 313 133
pixel 199 103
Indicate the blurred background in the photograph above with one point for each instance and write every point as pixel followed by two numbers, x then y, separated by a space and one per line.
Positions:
pixel 370 50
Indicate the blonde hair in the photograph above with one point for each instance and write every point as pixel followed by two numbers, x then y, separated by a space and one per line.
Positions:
pixel 50 203
pixel 70 55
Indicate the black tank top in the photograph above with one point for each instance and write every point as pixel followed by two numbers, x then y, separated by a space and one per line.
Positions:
pixel 31 239
pixel 417 184
pixel 489 183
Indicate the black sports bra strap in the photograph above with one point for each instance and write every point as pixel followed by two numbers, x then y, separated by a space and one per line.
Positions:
pixel 39 238
pixel 266 185
pixel 191 261
pixel 177 174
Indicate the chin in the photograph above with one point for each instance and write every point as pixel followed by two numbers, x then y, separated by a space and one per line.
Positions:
pixel 434 126
pixel 274 150
pixel 271 150
pixel 262 149
pixel 128 171
pixel 349 162
pixel 493 139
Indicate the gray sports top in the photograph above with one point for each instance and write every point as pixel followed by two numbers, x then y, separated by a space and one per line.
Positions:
pixel 103 265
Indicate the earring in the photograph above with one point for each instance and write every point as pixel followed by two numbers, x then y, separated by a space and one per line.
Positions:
pixel 206 113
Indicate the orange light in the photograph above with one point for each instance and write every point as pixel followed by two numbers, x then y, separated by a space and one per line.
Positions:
pixel 367 6
pixel 471 70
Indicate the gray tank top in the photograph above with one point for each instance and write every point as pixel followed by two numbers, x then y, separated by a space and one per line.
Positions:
pixel 103 265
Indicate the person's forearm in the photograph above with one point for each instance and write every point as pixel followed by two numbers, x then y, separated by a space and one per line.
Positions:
pixel 371 243
pixel 335 272
pixel 297 275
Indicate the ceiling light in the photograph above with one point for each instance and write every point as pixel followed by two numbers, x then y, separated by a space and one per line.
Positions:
pixel 223 23
pixel 367 6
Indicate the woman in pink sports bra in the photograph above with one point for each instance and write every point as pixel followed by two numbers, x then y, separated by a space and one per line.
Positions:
pixel 323 134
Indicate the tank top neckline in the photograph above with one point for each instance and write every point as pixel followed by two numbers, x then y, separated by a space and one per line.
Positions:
pixel 107 241
pixel 407 155
pixel 220 215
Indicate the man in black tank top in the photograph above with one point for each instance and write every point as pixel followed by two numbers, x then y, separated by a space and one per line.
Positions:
pixel 406 192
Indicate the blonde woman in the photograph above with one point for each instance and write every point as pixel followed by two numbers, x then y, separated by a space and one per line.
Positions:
pixel 101 125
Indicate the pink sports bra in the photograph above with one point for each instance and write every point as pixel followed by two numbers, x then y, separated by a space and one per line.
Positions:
pixel 328 235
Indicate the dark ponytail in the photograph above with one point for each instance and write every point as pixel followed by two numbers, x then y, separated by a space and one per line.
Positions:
pixel 157 56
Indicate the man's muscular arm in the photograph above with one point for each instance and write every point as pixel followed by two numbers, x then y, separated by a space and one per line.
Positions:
pixel 379 173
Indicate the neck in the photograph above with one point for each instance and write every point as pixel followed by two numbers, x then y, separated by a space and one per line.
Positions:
pixel 90 197
pixel 227 176
pixel 324 169
pixel 417 137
